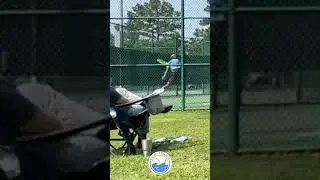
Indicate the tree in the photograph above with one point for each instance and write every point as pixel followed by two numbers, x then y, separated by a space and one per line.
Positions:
pixel 201 37
pixel 199 42
pixel 141 33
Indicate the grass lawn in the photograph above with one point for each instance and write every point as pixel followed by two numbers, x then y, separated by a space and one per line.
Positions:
pixel 262 167
pixel 189 161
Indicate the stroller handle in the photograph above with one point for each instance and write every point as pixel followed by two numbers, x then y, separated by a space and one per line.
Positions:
pixel 58 135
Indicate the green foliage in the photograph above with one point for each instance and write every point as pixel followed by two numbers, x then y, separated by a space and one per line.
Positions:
pixel 162 35
pixel 206 22
pixel 200 43
pixel 197 44
pixel 141 33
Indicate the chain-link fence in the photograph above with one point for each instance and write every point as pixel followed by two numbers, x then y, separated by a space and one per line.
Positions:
pixel 61 41
pixel 146 31
pixel 266 76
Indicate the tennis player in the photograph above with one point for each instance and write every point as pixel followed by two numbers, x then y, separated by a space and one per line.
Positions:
pixel 172 77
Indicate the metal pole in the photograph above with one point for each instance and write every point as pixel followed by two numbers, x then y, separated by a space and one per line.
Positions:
pixel 55 12
pixel 157 65
pixel 4 61
pixel 121 42
pixel 107 68
pixel 298 85
pixel 182 58
pixel 176 51
pixel 34 41
pixel 234 103
pixel 279 9
pixel 155 17
pixel 176 43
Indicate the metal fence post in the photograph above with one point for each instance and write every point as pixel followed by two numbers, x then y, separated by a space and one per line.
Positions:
pixel 234 95
pixel 121 42
pixel 176 51
pixel 176 43
pixel 183 92
pixel 298 80
pixel 34 31
pixel 4 61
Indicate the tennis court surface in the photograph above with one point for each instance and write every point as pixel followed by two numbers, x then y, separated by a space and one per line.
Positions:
pixel 194 99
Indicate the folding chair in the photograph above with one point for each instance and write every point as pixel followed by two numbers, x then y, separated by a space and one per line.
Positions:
pixel 134 123
pixel 151 104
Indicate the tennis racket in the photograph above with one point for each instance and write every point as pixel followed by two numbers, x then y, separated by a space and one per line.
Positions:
pixel 161 61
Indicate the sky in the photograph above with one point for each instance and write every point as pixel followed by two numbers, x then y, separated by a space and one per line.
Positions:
pixel 193 8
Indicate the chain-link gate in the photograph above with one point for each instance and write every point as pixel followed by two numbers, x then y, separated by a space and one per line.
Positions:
pixel 63 42
pixel 265 71
pixel 143 32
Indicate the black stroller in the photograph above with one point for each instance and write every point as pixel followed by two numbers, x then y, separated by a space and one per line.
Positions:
pixel 99 169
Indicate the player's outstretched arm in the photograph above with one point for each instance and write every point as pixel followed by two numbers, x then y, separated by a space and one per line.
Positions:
pixel 165 73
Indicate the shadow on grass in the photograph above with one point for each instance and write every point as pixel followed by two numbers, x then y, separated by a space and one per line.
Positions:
pixel 172 146
pixel 157 147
